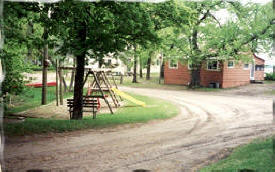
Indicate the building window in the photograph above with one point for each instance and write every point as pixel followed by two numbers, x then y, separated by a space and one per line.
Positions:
pixel 173 64
pixel 246 66
pixel 259 67
pixel 230 64
pixel 213 65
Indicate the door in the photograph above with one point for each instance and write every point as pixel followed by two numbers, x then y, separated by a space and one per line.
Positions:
pixel 252 70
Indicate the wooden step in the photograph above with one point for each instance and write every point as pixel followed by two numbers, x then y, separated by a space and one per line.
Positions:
pixel 256 82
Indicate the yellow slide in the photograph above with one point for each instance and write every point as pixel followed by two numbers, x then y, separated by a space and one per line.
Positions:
pixel 130 98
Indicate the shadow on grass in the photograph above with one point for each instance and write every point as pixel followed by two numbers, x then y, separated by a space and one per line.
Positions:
pixel 156 109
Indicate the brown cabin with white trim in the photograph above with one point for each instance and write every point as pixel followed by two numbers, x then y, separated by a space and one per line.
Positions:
pixel 215 73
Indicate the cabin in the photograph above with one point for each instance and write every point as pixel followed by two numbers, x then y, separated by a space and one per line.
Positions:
pixel 215 73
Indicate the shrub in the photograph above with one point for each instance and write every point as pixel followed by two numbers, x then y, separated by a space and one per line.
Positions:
pixel 13 67
pixel 270 76
pixel 39 68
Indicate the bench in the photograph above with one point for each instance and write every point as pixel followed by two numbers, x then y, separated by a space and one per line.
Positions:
pixel 90 104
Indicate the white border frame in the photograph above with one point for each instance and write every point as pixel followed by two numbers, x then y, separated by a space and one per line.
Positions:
pixel 244 68
pixel 230 67
pixel 218 65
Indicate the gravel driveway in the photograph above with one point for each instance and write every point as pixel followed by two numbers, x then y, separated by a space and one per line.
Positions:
pixel 208 126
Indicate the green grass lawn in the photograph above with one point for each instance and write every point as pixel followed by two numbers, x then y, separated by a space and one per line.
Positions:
pixel 130 113
pixel 255 156
pixel 271 92
pixel 269 82
pixel 30 98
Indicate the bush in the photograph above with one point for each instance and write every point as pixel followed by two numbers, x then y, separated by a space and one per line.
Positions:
pixel 39 68
pixel 270 76
pixel 13 67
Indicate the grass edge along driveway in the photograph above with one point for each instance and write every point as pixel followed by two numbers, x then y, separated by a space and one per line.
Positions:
pixel 130 113
pixel 255 156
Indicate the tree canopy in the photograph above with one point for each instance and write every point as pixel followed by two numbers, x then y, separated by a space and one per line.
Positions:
pixel 205 36
pixel 187 30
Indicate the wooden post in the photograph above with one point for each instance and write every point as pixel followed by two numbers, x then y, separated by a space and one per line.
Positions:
pixel 56 80
pixel 60 86
pixel 64 84
pixel 99 87
pixel 160 62
pixel 108 86
pixel 116 86
pixel 44 75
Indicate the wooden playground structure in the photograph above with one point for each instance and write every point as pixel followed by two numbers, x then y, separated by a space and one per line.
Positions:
pixel 100 84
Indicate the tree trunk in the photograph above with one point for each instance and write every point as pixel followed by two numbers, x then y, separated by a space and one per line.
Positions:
pixel 45 68
pixel 140 69
pixel 161 72
pixel 78 88
pixel 72 77
pixel 56 80
pixel 79 76
pixel 121 79
pixel 60 84
pixel 148 69
pixel 135 70
pixel 162 69
pixel 195 78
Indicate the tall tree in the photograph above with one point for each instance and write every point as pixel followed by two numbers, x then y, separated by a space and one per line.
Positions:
pixel 45 62
pixel 164 16
pixel 101 28
pixel 206 37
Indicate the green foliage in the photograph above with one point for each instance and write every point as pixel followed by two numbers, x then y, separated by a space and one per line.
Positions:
pixel 38 68
pixel 130 113
pixel 270 76
pixel 13 65
pixel 175 28
pixel 18 43
pixel 204 36
pixel 110 26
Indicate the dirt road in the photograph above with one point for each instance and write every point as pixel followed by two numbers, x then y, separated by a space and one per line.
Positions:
pixel 208 126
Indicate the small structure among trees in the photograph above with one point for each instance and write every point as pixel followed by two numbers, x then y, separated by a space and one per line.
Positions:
pixel 216 73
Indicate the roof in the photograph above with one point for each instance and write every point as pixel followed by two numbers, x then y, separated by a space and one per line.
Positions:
pixel 258 57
